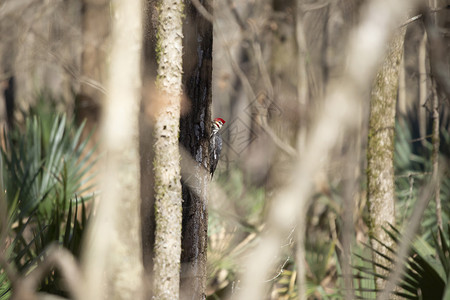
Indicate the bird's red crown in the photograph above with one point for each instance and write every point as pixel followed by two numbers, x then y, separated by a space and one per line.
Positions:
pixel 219 122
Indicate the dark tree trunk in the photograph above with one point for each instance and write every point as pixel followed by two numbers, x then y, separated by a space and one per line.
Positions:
pixel 146 142
pixel 194 137
pixel 147 199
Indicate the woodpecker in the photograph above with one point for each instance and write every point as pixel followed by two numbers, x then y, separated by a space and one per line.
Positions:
pixel 215 144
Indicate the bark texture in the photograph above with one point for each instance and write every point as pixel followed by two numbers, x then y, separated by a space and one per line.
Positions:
pixel 380 152
pixel 195 132
pixel 146 141
pixel 167 157
pixel 113 257
pixel 435 157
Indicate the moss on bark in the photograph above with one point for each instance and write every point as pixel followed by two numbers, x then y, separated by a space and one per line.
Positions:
pixel 380 152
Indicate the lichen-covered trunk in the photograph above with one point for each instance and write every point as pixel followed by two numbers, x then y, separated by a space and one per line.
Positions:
pixel 380 152
pixel 113 255
pixel 167 249
pixel 195 132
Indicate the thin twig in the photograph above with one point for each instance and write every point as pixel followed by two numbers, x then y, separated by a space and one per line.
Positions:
pixel 203 11
pixel 242 25
pixel 421 138
pixel 279 272
pixel 290 238
pixel 410 20
pixel 411 174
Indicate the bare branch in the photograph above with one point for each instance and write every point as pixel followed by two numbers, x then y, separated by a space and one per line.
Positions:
pixel 202 10
pixel 242 25
pixel 410 20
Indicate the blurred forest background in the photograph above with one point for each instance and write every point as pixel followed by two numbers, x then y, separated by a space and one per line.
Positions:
pixel 299 208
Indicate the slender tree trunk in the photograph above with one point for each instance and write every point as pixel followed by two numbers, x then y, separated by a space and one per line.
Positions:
pixel 113 257
pixel 380 152
pixel 435 131
pixel 167 157
pixel 435 156
pixel 195 131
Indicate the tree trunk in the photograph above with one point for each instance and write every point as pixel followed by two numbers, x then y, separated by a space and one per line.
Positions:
pixel 434 5
pixel 146 143
pixel 380 152
pixel 113 257
pixel 167 157
pixel 195 132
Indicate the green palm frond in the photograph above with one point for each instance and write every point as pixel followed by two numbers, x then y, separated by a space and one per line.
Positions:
pixel 44 170
pixel 35 166
pixel 424 277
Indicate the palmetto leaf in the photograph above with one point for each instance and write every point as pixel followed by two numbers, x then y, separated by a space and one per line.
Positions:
pixel 425 277
pixel 34 165
pixel 43 173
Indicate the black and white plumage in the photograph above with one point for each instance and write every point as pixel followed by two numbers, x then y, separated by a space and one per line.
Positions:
pixel 215 144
